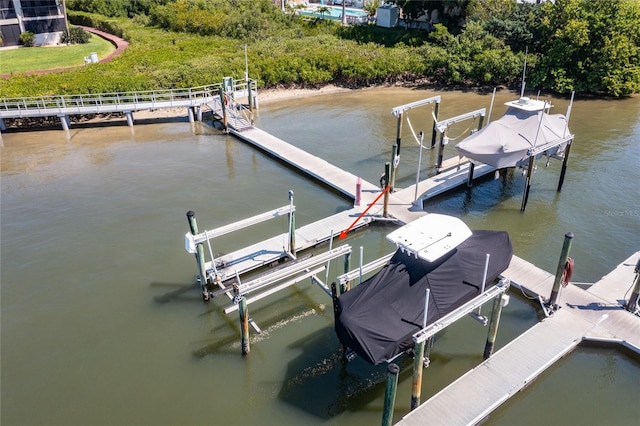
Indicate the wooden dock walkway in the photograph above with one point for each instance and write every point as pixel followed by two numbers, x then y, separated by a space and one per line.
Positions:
pixel 594 314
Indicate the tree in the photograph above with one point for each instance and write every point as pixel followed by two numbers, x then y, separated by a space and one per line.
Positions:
pixel 590 47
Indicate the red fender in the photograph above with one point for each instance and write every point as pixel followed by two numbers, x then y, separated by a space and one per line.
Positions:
pixel 567 273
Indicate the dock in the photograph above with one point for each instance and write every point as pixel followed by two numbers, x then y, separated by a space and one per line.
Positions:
pixel 596 314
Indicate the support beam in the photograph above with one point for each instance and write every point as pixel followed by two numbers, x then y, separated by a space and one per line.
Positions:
pixel 64 120
pixel 563 170
pixel 129 116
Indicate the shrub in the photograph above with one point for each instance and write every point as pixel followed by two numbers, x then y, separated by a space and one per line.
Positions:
pixel 27 38
pixel 76 36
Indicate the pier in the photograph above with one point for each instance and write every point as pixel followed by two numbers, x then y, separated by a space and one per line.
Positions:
pixel 196 100
pixel 596 314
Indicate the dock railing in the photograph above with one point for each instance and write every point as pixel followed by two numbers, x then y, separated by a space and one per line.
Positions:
pixel 107 102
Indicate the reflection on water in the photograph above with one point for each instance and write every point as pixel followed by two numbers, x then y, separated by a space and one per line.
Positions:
pixel 101 321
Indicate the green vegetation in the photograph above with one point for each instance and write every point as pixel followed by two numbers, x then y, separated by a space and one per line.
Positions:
pixel 27 38
pixel 587 46
pixel 43 58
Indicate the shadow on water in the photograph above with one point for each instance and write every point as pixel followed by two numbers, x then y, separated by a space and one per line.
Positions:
pixel 321 383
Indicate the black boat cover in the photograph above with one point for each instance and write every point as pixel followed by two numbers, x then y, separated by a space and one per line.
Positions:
pixel 378 318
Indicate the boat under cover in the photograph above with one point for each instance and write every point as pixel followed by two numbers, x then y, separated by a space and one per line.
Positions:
pixel 507 141
pixel 377 319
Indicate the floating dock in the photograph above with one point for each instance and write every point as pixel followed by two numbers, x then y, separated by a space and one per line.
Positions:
pixel 596 314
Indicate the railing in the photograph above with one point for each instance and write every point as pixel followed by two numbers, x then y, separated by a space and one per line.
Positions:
pixel 126 101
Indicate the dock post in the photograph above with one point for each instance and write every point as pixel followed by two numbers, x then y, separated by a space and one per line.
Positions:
pixel 129 116
pixel 3 127
pixel 244 325
pixel 250 96
pixel 223 103
pixel 292 226
pixel 434 132
pixel 347 267
pixel 64 120
pixel 635 295
pixel 418 365
pixel 390 394
pixel 395 161
pixel 440 152
pixel 527 186
pixel 193 227
pixel 493 326
pixel 563 170
pixel 358 192
pixel 387 174
pixel 470 176
pixel 191 115
pixel 564 256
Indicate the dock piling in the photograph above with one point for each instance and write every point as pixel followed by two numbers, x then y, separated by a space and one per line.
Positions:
pixel 434 132
pixel 390 394
pixel 347 267
pixel 498 303
pixel 564 255
pixel 244 325
pixel 527 186
pixel 395 162
pixel 358 192
pixel 632 305
pixel 292 226
pixel 387 175
pixel 193 227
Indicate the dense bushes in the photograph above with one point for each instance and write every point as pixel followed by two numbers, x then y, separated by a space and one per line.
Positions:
pixel 76 36
pixel 572 46
pixel 27 38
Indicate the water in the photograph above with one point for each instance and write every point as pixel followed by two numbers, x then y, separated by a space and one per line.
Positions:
pixel 101 323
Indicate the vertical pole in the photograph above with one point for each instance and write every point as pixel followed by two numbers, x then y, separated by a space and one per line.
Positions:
pixel 244 325
pixel 493 326
pixel 394 164
pixel 635 295
pixel 390 394
pixel 347 267
pixel 64 120
pixel 199 113
pixel 434 133
pixel 129 116
pixel 470 175
pixel 415 195
pixel 223 102
pixel 250 97
pixel 563 170
pixel 3 127
pixel 387 174
pixel 361 259
pixel 480 122
pixel 358 192
pixel 416 385
pixel 334 298
pixel 418 359
pixel 527 186
pixel 292 226
pixel 566 247
pixel 190 113
pixel 193 227
pixel 440 152
pixel 399 132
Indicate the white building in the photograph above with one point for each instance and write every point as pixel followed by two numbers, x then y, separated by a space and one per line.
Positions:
pixel 45 18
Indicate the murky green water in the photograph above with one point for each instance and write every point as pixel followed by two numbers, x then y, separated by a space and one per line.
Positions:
pixel 101 323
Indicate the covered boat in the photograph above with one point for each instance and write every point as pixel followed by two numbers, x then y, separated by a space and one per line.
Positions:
pixel 378 318
pixel 525 129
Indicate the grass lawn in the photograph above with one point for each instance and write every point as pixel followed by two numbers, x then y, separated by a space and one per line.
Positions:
pixel 44 58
